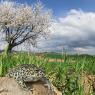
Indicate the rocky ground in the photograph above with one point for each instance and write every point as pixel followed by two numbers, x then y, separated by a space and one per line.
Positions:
pixel 9 86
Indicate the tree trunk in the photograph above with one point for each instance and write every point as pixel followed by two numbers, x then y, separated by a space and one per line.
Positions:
pixel 9 48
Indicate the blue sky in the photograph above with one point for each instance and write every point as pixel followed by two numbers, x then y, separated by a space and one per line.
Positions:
pixel 60 7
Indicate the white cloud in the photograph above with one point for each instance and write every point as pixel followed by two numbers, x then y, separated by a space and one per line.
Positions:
pixel 76 31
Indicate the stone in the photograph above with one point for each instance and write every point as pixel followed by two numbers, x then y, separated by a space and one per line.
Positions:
pixel 9 86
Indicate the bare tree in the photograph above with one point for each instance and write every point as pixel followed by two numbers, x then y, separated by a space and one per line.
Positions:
pixel 21 23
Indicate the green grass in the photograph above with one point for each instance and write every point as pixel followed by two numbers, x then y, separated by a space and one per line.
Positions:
pixel 65 75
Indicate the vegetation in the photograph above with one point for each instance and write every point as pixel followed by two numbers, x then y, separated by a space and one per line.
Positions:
pixel 66 76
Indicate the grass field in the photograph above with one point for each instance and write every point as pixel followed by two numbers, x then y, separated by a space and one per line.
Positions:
pixel 66 76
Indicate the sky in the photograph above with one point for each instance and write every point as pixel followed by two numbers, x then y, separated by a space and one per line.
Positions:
pixel 60 7
pixel 73 28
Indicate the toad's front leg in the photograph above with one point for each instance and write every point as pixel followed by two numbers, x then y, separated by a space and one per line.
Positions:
pixel 48 84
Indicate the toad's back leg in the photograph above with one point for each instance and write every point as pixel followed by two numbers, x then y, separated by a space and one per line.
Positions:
pixel 21 83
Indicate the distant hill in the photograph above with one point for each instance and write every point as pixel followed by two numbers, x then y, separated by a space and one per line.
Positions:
pixel 52 54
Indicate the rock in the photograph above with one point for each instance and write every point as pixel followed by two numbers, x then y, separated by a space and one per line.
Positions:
pixel 57 92
pixel 89 84
pixel 9 86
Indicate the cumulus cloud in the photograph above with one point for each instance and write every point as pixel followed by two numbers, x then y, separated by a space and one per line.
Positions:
pixel 75 32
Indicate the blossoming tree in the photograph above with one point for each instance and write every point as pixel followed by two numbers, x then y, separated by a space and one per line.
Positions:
pixel 21 23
